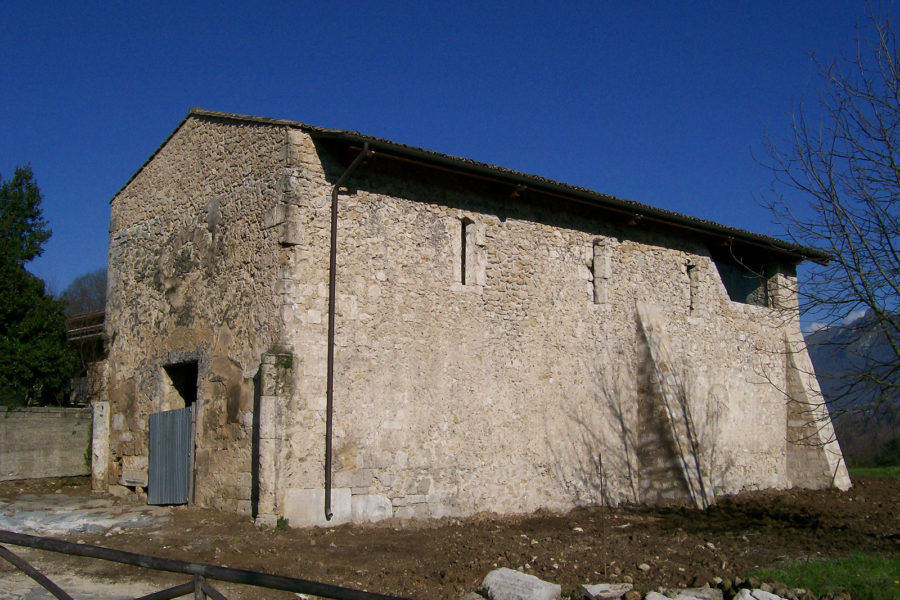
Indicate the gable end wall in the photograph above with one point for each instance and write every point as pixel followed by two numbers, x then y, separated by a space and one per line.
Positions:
pixel 193 276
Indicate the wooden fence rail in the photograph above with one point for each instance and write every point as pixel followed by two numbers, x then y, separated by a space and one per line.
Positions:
pixel 198 586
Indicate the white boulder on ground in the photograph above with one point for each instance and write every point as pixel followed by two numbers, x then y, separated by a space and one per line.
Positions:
pixel 602 591
pixel 704 593
pixel 748 594
pixel 506 584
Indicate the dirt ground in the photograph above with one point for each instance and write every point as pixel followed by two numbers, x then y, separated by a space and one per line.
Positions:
pixel 445 558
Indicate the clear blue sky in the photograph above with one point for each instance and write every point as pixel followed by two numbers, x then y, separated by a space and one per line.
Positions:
pixel 665 103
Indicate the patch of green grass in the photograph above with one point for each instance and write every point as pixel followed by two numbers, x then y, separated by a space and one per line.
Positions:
pixel 281 524
pixel 285 361
pixel 865 577
pixel 875 471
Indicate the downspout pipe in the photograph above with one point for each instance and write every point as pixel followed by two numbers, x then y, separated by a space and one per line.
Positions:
pixel 332 296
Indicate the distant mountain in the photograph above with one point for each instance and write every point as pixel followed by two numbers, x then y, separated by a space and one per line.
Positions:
pixel 859 374
pixel 842 356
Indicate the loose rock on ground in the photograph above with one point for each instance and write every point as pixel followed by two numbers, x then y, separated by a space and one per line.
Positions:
pixel 444 559
pixel 508 584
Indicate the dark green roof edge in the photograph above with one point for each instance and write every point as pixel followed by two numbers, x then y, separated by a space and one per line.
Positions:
pixel 532 182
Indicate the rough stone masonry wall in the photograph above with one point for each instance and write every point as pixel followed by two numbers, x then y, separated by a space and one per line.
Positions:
pixel 192 277
pixel 524 387
pixel 507 393
pixel 44 442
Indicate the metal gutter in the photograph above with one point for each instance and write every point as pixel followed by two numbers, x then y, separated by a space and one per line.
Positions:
pixel 332 295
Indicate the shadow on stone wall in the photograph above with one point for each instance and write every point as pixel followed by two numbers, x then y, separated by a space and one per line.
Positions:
pixel 652 433
pixel 602 463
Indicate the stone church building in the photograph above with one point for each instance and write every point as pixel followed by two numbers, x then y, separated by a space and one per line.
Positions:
pixel 360 329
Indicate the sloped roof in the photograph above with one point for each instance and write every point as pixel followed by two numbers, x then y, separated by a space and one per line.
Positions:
pixel 533 183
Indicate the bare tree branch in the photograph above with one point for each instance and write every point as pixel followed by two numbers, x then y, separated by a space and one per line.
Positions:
pixel 837 188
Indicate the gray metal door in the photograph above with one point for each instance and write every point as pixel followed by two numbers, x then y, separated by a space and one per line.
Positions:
pixel 171 450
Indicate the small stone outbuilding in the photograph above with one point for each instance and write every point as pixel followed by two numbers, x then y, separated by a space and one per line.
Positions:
pixel 363 329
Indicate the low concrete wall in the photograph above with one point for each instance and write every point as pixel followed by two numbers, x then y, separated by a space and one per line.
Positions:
pixel 44 442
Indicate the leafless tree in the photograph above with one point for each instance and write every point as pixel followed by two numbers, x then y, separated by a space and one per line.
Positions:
pixel 86 293
pixel 837 188
pixel 84 301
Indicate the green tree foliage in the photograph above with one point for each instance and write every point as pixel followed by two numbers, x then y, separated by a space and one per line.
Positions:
pixel 23 229
pixel 889 455
pixel 35 361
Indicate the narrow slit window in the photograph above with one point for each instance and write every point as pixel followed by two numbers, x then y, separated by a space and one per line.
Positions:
pixel 692 275
pixel 466 248
pixel 601 269
pixel 470 260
